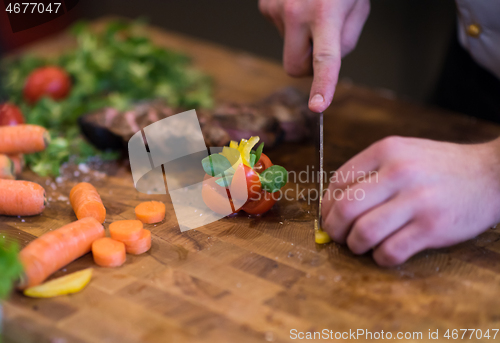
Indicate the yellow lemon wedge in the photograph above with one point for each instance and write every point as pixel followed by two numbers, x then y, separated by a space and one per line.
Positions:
pixel 68 284
pixel 320 236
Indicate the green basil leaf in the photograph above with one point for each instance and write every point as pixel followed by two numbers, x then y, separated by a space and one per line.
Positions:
pixel 273 178
pixel 252 160
pixel 217 164
pixel 225 181
pixel 259 152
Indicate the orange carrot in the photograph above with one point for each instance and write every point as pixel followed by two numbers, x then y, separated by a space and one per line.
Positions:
pixel 23 139
pixel 6 168
pixel 126 230
pixel 141 245
pixel 86 202
pixel 57 248
pixel 108 252
pixel 21 198
pixel 18 161
pixel 150 212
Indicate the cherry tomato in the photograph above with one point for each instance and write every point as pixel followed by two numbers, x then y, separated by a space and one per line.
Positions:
pixel 261 205
pixel 216 197
pixel 262 164
pixel 10 114
pixel 50 81
pixel 245 184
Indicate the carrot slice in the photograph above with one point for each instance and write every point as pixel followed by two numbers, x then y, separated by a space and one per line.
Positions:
pixel 86 202
pixel 7 168
pixel 108 252
pixel 18 161
pixel 23 139
pixel 21 198
pixel 141 245
pixel 55 249
pixel 126 230
pixel 150 212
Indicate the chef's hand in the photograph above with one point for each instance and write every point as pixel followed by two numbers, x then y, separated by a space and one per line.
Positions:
pixel 428 194
pixel 333 26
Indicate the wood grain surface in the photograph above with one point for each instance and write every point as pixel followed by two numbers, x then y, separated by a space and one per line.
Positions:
pixel 247 279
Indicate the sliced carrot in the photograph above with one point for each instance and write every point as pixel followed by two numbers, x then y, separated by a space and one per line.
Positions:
pixel 21 198
pixel 86 202
pixel 108 252
pixel 6 168
pixel 55 249
pixel 23 139
pixel 126 230
pixel 18 161
pixel 150 212
pixel 141 245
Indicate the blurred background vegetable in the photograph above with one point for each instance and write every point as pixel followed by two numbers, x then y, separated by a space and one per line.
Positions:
pixel 112 68
pixel 10 267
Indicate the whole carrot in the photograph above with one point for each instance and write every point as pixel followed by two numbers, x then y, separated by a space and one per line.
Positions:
pixel 23 139
pixel 86 202
pixel 18 161
pixel 6 168
pixel 55 249
pixel 21 198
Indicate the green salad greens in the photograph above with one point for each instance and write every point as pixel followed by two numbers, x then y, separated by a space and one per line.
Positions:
pixel 10 267
pixel 114 67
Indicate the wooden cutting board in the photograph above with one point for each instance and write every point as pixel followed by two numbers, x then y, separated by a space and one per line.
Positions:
pixel 246 279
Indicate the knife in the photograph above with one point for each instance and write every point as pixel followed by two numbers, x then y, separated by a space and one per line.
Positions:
pixel 321 237
pixel 321 181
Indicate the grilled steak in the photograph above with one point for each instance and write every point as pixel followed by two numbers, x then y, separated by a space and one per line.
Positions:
pixel 282 115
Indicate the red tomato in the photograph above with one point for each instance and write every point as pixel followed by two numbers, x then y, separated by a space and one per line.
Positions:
pixel 10 114
pixel 246 184
pixel 262 164
pixel 216 197
pixel 261 205
pixel 50 81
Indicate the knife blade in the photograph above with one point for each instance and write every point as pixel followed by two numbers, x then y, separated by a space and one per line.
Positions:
pixel 320 180
pixel 320 236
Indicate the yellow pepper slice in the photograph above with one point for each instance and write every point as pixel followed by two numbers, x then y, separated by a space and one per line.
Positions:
pixel 233 156
pixel 233 144
pixel 245 148
pixel 68 284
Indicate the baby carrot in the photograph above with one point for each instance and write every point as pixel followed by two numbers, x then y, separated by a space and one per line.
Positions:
pixel 6 168
pixel 108 252
pixel 141 245
pixel 150 212
pixel 86 202
pixel 18 161
pixel 21 198
pixel 23 139
pixel 125 230
pixel 57 248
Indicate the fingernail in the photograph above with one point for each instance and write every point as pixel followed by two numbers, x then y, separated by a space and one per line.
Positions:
pixel 317 99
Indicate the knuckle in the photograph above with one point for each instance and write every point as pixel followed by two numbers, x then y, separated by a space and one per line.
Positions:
pixel 292 10
pixel 400 171
pixel 364 232
pixel 262 4
pixel 348 45
pixel 345 209
pixel 295 69
pixel 388 255
pixel 320 57
pixel 389 145
pixel 365 8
